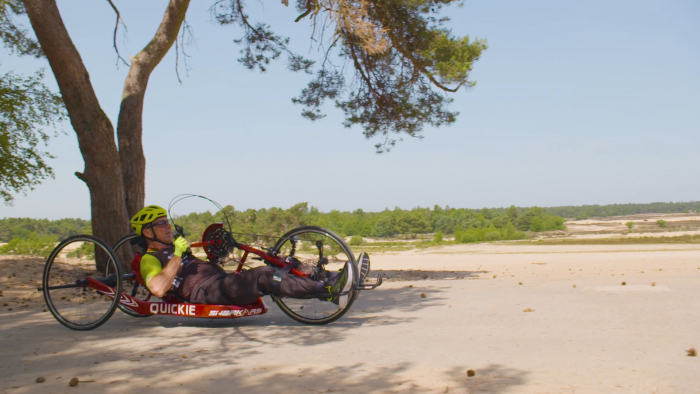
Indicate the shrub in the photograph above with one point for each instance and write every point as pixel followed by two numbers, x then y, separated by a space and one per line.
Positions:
pixel 85 251
pixel 356 240
pixel 438 236
pixel 467 237
pixel 493 236
pixel 33 246
pixel 630 225
pixel 661 223
pixel 517 235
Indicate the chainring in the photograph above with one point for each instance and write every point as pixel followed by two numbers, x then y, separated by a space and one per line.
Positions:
pixel 220 243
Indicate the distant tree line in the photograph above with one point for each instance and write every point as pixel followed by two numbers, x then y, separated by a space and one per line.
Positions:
pixel 588 211
pixel 25 228
pixel 464 224
pixel 509 223
pixel 37 236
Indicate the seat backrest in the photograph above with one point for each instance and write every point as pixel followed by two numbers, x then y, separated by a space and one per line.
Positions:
pixel 136 268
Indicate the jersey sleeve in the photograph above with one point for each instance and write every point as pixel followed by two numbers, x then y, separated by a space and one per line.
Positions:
pixel 150 267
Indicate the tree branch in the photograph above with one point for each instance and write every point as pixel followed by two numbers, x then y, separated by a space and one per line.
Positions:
pixel 130 126
pixel 116 27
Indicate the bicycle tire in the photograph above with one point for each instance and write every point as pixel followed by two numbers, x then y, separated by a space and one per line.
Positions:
pixel 66 267
pixel 287 304
pixel 117 245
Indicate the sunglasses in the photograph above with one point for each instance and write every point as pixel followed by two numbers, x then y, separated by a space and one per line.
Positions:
pixel 165 223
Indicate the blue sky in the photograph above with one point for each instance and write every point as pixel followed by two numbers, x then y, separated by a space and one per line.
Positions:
pixel 576 103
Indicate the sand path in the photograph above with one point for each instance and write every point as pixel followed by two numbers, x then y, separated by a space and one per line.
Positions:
pixel 599 337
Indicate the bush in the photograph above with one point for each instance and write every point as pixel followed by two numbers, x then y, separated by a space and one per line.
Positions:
pixel 518 235
pixel 438 237
pixel 630 225
pixel 661 223
pixel 489 234
pixel 356 240
pixel 33 246
pixel 85 251
pixel 493 236
pixel 467 237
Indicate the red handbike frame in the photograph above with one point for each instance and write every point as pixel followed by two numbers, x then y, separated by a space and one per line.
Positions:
pixel 172 306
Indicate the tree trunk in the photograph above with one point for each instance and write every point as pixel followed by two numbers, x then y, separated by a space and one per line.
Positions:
pixel 102 174
pixel 129 126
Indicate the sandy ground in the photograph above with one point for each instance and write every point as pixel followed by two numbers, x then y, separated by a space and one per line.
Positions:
pixel 596 337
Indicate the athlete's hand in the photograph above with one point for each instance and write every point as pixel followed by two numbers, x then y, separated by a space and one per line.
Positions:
pixel 181 246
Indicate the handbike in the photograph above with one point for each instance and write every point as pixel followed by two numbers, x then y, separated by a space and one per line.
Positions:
pixel 83 279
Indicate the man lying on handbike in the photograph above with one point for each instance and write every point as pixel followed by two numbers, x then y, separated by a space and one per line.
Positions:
pixel 164 269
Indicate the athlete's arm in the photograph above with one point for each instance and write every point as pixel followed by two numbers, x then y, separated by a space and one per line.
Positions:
pixel 159 280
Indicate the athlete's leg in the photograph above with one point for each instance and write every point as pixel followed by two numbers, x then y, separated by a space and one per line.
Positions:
pixel 247 286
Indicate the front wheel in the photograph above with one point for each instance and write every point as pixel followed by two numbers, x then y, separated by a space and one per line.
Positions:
pixel 64 283
pixel 320 251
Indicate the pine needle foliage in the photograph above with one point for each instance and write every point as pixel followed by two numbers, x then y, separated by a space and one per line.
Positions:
pixel 387 64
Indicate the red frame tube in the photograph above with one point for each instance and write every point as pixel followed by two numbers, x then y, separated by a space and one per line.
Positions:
pixel 271 259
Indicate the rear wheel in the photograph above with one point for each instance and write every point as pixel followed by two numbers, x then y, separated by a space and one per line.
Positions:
pixel 131 286
pixel 64 283
pixel 321 252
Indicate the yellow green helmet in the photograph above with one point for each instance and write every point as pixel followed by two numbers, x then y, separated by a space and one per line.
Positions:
pixel 146 216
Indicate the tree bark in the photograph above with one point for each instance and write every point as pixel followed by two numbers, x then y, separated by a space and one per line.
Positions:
pixel 129 126
pixel 102 174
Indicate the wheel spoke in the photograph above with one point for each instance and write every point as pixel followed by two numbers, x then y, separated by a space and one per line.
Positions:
pixel 73 260
pixel 311 246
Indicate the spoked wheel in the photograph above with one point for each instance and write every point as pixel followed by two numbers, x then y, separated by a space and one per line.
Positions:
pixel 65 282
pixel 124 248
pixel 321 252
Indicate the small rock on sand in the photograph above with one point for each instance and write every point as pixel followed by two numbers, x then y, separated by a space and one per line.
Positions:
pixel 691 352
pixel 422 295
pixel 574 286
pixel 653 283
pixel 40 379
pixel 624 283
pixel 73 382
pixel 528 310
pixel 471 373
pixel 183 356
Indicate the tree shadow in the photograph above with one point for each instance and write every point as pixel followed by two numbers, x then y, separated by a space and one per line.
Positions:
pixel 212 355
pixel 165 363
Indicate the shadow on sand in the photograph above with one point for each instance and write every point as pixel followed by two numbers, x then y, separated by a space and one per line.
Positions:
pixel 211 355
